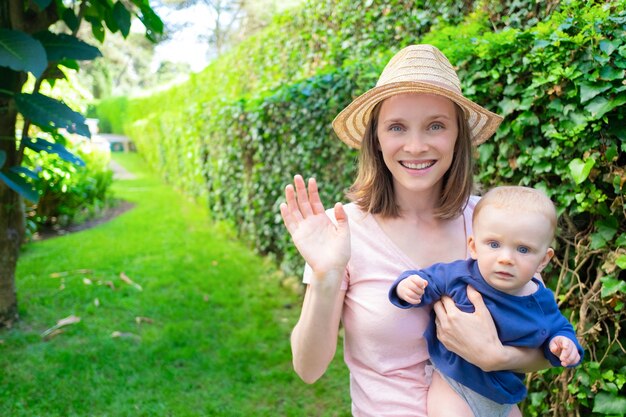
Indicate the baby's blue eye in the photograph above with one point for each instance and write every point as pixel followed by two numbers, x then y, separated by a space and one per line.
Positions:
pixel 494 245
pixel 522 249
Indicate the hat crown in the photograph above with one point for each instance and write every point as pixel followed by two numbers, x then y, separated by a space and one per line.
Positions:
pixel 421 64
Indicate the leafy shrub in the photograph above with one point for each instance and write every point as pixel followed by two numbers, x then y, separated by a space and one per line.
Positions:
pixel 560 86
pixel 69 193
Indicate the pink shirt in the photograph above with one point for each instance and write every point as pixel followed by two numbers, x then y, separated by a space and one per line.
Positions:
pixel 384 346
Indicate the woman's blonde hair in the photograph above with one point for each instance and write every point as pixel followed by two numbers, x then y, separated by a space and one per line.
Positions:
pixel 373 189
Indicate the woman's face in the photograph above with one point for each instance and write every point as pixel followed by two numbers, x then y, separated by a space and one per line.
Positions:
pixel 417 134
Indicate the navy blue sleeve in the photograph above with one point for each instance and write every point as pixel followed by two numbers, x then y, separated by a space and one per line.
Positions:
pixel 562 327
pixel 431 292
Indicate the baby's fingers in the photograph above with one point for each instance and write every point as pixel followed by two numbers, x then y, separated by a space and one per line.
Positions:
pixel 569 356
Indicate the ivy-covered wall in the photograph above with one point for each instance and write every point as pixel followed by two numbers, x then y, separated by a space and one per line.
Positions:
pixel 235 134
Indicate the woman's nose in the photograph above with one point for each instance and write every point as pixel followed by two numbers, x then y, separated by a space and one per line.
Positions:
pixel 415 143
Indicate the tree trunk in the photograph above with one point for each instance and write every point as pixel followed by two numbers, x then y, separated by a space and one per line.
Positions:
pixel 11 206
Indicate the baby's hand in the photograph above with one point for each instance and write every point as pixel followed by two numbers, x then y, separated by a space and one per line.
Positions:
pixel 565 349
pixel 411 289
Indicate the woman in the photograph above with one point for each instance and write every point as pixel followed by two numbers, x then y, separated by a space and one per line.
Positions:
pixel 411 207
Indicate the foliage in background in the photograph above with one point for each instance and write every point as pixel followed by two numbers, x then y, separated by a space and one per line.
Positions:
pixel 555 71
pixel 30 43
pixel 70 194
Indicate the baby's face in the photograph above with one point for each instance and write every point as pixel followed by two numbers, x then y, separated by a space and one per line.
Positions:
pixel 511 246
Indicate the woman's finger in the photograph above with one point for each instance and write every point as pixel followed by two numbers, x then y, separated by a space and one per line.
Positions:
pixel 302 196
pixel 292 204
pixel 314 197
pixel 287 217
pixel 476 299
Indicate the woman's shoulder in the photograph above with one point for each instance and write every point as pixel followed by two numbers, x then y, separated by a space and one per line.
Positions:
pixel 353 211
pixel 471 202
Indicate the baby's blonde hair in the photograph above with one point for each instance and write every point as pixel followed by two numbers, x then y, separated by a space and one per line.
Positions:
pixel 519 198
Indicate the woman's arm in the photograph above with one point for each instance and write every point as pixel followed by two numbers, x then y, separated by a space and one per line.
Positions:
pixel 325 246
pixel 314 338
pixel 474 337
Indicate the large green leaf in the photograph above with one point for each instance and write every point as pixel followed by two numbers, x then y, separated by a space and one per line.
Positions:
pixel 599 106
pixel 40 145
pixel 20 185
pixel 60 46
pixel 606 403
pixel 122 18
pixel 590 90
pixel 610 286
pixel 26 172
pixel 70 19
pixel 48 113
pixel 21 52
pixel 579 169
pixel 152 22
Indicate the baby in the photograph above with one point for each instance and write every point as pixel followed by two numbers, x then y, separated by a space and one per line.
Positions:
pixel 513 228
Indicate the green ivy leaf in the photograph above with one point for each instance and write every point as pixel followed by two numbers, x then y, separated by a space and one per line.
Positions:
pixel 40 145
pixel 580 170
pixel 606 403
pixel 607 227
pixel 20 186
pixel 621 240
pixel 47 112
pixel 508 106
pixel 611 153
pixel 590 90
pixel 608 46
pixel 60 46
pixel 597 241
pixel 609 73
pixel 21 52
pixel 621 262
pixel 599 106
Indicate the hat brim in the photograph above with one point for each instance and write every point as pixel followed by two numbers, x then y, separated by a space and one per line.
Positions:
pixel 351 122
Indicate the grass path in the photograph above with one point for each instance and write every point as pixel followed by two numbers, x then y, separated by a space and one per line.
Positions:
pixel 205 332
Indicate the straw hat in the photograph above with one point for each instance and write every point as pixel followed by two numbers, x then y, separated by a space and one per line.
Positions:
pixel 415 69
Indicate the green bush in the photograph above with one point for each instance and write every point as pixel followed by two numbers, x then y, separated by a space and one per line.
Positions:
pixel 70 194
pixel 556 74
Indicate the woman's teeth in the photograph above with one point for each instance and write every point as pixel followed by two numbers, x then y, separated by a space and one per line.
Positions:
pixel 417 165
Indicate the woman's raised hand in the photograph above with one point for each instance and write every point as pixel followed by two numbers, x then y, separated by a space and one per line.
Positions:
pixel 323 245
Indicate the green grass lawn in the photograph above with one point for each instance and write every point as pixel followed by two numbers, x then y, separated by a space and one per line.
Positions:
pixel 204 333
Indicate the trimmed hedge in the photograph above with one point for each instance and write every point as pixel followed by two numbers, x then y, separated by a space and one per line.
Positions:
pixel 236 133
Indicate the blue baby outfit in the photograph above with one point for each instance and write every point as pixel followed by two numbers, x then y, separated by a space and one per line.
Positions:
pixel 526 321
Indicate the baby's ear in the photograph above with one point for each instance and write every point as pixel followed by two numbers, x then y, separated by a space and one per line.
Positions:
pixel 471 245
pixel 546 259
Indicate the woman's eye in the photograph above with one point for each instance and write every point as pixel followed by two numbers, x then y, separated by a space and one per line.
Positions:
pixel 494 245
pixel 522 249
pixel 395 128
pixel 436 126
